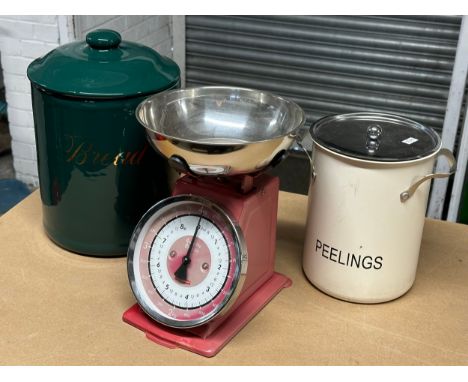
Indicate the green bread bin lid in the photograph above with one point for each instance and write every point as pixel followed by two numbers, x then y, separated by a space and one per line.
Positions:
pixel 103 66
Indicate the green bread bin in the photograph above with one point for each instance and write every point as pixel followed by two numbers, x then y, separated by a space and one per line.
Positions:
pixel 97 172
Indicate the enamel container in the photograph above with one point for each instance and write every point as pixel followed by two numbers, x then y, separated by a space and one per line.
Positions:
pixel 367 203
pixel 97 173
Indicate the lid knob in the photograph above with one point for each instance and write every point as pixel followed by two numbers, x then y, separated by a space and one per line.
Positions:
pixel 372 146
pixel 373 138
pixel 103 39
pixel 374 132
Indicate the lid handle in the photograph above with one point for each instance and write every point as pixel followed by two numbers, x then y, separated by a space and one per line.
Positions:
pixel 374 132
pixel 103 39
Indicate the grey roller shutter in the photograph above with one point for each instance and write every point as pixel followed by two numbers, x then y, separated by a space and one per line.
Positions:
pixel 330 64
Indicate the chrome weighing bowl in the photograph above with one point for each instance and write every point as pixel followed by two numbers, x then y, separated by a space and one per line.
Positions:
pixel 219 130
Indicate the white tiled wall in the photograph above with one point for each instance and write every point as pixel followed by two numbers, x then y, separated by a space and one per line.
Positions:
pixel 24 38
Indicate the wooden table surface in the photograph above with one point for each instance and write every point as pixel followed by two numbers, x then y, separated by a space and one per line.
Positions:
pixel 59 308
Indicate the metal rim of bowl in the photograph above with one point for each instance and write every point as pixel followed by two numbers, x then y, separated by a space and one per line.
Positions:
pixel 291 106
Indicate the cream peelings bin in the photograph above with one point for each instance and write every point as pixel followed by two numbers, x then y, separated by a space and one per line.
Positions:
pixel 367 202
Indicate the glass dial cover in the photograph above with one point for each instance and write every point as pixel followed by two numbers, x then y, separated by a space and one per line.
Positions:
pixel 187 260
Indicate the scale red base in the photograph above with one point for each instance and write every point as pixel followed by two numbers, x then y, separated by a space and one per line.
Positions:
pixel 255 210
pixel 212 344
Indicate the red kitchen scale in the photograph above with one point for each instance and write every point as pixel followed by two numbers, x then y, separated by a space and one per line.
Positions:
pixel 201 262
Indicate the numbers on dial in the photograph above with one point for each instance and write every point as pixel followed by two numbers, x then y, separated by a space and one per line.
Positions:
pixel 209 264
pixel 186 293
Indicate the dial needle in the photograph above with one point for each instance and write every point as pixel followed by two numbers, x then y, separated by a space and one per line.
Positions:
pixel 181 272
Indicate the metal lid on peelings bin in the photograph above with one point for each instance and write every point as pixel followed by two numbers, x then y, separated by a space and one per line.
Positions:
pixel 103 66
pixel 376 137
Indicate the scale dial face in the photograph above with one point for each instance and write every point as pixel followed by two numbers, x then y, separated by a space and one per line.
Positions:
pixel 187 260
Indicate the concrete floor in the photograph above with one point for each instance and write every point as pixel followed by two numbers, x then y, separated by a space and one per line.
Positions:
pixel 6 161
pixel 6 166
pixel 12 191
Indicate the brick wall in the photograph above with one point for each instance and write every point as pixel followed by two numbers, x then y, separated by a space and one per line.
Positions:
pixel 22 39
pixel 25 38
